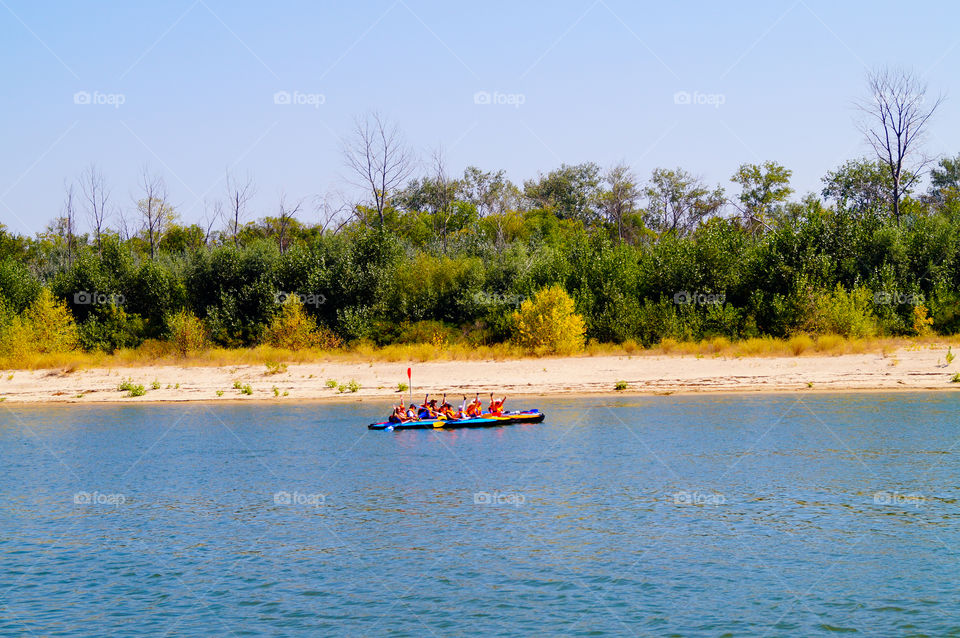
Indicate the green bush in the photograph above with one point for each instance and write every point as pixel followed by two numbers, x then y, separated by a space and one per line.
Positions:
pixel 188 335
pixel 132 389
pixel 844 313
pixel 109 328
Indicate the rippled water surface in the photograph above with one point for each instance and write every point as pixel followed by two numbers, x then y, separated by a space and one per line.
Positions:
pixel 741 515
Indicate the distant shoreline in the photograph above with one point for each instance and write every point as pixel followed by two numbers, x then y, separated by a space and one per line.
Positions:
pixel 901 369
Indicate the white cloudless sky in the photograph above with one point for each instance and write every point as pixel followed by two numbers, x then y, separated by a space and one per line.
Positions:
pixel 189 87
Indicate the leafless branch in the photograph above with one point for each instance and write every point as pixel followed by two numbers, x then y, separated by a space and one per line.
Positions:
pixel 379 159
pixel 895 116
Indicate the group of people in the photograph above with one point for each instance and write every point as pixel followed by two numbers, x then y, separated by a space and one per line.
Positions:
pixel 430 410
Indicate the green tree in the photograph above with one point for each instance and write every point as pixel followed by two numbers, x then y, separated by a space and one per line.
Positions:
pixel 763 188
pixel 571 192
pixel 945 181
pixel 860 186
pixel 677 201
pixel 619 199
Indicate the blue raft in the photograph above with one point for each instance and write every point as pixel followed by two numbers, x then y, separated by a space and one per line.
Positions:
pixel 483 421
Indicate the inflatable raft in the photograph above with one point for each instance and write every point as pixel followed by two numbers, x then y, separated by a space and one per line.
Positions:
pixel 483 421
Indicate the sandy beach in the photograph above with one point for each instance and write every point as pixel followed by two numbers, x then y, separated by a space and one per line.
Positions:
pixel 913 368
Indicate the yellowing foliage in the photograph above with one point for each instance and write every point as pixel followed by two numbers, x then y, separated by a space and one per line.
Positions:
pixel 549 324
pixel 922 322
pixel 294 329
pixel 45 326
pixel 188 335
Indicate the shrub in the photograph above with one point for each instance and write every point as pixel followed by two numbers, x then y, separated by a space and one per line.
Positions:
pixel 273 367
pixel 294 329
pixel 849 314
pixel 798 344
pixel 922 322
pixel 621 385
pixel 352 386
pixel 109 328
pixel 549 324
pixel 132 389
pixel 187 333
pixel 45 326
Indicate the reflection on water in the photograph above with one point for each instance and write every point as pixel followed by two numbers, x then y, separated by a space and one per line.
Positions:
pixel 751 515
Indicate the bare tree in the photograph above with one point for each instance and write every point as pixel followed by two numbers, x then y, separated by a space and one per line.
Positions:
pixel 96 196
pixel 379 158
pixel 69 220
pixel 333 209
pixel 895 118
pixel 286 218
pixel 212 214
pixel 153 207
pixel 239 195
pixel 123 224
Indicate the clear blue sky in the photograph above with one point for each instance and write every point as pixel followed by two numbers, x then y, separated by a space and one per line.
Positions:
pixel 597 81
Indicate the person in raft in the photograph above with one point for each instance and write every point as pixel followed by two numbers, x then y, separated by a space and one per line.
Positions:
pixel 446 409
pixel 429 409
pixel 496 407
pixel 474 409
pixel 401 414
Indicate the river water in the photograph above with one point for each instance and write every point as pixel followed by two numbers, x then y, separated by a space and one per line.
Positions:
pixel 741 515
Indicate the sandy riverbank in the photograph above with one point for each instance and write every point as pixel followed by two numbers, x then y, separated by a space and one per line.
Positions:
pixel 914 368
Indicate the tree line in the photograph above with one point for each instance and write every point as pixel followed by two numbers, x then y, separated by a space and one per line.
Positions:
pixel 430 256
